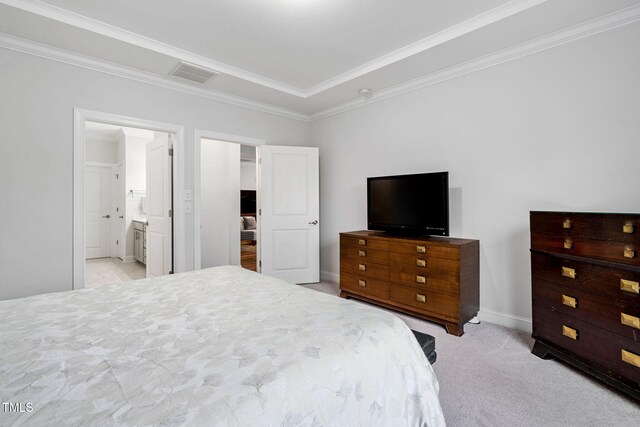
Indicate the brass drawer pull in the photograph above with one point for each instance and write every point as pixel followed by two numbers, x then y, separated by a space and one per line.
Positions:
pixel 568 244
pixel 629 252
pixel 362 283
pixel 566 223
pixel 569 332
pixel 421 263
pixel 629 286
pixel 569 301
pixel 421 279
pixel 569 272
pixel 629 320
pixel 362 242
pixel 421 249
pixel 362 267
pixel 362 253
pixel 627 228
pixel 421 298
pixel 631 358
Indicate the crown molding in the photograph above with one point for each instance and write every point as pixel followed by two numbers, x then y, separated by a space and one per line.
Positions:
pixel 484 19
pixel 60 55
pixel 67 17
pixel 581 31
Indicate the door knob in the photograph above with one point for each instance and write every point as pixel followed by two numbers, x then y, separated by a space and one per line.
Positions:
pixel 106 216
pixel 121 216
pixel 314 222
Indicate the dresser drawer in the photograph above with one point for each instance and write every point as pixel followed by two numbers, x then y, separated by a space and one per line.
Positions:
pixel 364 286
pixel 615 227
pixel 424 280
pixel 589 342
pixel 426 301
pixel 364 254
pixel 622 318
pixel 626 253
pixel 425 248
pixel 614 283
pixel 425 262
pixel 364 269
pixel 364 242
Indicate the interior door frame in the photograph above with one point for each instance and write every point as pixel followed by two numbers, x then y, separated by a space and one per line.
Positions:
pixel 197 175
pixel 80 117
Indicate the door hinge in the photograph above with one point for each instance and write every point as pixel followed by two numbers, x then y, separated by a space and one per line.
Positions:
pixel 117 209
pixel 117 242
pixel 259 211
pixel 117 176
pixel 170 213
pixel 260 263
pixel 170 152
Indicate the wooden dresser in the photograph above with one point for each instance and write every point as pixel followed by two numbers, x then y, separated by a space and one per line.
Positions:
pixel 434 278
pixel 585 270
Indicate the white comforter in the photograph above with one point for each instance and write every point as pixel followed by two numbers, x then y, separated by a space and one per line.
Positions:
pixel 223 347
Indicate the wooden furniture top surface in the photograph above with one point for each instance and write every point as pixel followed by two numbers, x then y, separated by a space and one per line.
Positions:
pixel 371 234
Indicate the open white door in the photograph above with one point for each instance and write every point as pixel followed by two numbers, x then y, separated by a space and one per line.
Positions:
pixel 97 211
pixel 289 211
pixel 159 228
pixel 220 203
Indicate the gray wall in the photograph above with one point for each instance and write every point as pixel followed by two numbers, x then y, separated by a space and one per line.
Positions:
pixel 558 130
pixel 36 157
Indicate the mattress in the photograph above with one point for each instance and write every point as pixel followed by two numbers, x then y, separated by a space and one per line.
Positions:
pixel 221 346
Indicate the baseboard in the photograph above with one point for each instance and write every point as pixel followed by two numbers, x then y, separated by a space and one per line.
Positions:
pixel 503 319
pixel 327 276
pixel 129 258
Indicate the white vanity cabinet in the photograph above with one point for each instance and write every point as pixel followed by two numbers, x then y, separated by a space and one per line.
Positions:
pixel 140 241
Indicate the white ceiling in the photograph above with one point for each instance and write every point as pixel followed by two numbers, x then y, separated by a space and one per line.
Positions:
pixel 307 57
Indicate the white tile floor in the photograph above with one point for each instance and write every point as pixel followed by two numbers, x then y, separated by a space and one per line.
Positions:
pixel 106 271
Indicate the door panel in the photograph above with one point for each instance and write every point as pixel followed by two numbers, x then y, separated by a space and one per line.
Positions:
pixel 220 203
pixel 97 206
pixel 159 228
pixel 288 199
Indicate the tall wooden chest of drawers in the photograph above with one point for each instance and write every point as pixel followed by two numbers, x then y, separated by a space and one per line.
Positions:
pixel 434 278
pixel 585 270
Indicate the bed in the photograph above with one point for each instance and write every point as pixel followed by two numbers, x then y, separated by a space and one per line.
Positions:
pixel 222 346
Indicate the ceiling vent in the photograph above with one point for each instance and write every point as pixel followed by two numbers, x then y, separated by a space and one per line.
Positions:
pixel 193 72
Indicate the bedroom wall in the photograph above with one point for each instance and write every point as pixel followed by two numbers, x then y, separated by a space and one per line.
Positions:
pixel 36 155
pixel 557 130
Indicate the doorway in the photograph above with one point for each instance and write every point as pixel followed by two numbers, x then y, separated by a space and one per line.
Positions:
pixel 122 165
pixel 229 226
pixel 125 212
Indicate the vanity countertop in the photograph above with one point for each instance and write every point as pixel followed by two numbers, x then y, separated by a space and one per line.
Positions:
pixel 140 219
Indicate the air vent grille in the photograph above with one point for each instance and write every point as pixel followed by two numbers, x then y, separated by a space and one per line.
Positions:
pixel 193 72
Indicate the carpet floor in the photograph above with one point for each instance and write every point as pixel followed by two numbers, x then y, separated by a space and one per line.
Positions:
pixel 488 377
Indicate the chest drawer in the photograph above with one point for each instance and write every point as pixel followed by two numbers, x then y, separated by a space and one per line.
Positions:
pixel 364 286
pixel 426 301
pixel 616 284
pixel 611 351
pixel 425 249
pixel 621 318
pixel 364 269
pixel 364 242
pixel 364 254
pixel 425 263
pixel 620 252
pixel 614 227
pixel 424 280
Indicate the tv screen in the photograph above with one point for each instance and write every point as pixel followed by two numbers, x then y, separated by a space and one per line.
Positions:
pixel 409 204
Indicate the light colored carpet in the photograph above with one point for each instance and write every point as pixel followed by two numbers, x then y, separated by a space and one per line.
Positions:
pixel 488 377
pixel 106 271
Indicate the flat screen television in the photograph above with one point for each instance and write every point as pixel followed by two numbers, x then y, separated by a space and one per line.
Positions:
pixel 409 204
